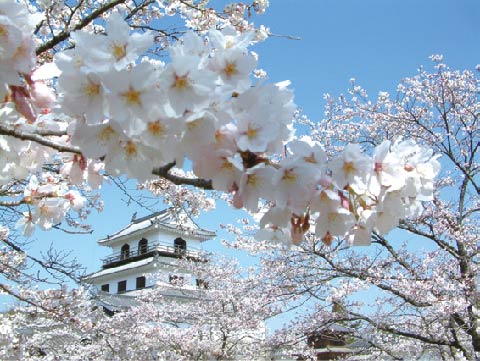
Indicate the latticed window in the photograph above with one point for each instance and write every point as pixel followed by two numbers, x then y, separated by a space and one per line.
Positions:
pixel 201 283
pixel 141 282
pixel 122 286
pixel 125 251
pixel 176 280
pixel 142 246
pixel 180 245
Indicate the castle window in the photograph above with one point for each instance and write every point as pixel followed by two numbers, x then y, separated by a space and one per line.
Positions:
pixel 201 283
pixel 176 280
pixel 122 286
pixel 180 246
pixel 106 288
pixel 142 246
pixel 125 251
pixel 141 282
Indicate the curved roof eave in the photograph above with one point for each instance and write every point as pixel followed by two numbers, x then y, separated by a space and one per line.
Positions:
pixel 144 224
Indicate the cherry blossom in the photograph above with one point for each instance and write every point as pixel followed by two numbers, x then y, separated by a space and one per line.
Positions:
pixel 137 115
pixel 107 104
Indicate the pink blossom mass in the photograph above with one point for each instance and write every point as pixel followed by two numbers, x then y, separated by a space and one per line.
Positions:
pixel 169 96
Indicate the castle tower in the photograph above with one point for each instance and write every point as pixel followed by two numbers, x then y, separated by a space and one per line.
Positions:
pixel 145 253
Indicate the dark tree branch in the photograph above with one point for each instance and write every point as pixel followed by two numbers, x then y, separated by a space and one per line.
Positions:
pixel 164 172
pixel 5 130
pixel 63 35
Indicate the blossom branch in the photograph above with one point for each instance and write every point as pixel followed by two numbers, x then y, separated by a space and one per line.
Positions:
pixel 394 331
pixel 5 130
pixel 63 35
pixel 164 172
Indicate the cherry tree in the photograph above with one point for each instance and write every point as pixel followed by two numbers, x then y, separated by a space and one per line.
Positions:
pixel 221 318
pixel 86 95
pixel 96 100
pixel 413 293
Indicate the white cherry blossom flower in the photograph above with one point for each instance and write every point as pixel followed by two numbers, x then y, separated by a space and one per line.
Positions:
pixel 186 86
pixel 96 140
pixel 94 175
pixel 77 201
pixel 220 167
pixel 389 212
pixel 280 236
pixel 234 67
pixel 351 168
pixel 310 151
pixel 229 38
pixel 259 109
pixel 50 211
pixel 132 96
pixel 334 216
pixel 276 217
pixel 199 131
pixel 361 233
pixel 254 134
pixel 191 44
pixel 132 158
pixel 294 184
pixel 83 94
pixel 74 167
pixel 163 134
pixel 336 223
pixel 118 48
pixel 388 170
pixel 69 62
pixel 26 224
pixel 18 48
pixel 254 184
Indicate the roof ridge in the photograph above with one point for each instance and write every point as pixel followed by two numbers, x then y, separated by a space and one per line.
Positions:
pixel 151 215
pixel 167 218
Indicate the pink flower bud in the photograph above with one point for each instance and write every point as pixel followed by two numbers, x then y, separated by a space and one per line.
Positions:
pixel 42 96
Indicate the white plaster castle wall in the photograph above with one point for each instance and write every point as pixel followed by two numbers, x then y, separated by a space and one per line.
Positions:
pixel 166 267
pixel 155 271
pixel 156 236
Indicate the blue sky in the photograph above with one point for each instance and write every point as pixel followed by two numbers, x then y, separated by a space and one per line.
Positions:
pixel 378 42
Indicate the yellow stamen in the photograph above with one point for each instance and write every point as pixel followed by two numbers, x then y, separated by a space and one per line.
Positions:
pixel 106 133
pixel 251 133
pixel 252 179
pixel 226 164
pixel 349 167
pixel 181 82
pixel 3 31
pixel 156 128
pixel 310 159
pixel 324 197
pixel 119 51
pixel 130 148
pixel 194 124
pixel 92 89
pixel 218 136
pixel 44 210
pixel 230 69
pixel 20 52
pixel 289 176
pixel 132 96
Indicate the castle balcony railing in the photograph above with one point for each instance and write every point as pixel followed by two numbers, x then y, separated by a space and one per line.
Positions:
pixel 163 250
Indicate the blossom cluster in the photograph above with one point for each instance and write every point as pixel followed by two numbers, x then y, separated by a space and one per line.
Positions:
pixel 349 196
pixel 200 17
pixel 130 114
pixel 51 200
pixel 16 42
